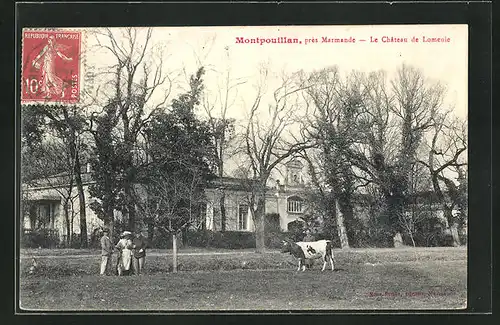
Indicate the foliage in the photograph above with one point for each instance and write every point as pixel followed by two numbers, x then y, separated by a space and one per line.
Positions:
pixel 171 191
pixel 107 166
pixel 272 224
pixel 44 238
pixel 58 130
pixel 231 239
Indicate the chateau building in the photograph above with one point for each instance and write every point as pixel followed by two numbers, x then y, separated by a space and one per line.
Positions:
pixel 44 203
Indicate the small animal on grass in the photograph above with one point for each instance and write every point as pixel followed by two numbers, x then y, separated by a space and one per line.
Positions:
pixel 310 250
pixel 33 267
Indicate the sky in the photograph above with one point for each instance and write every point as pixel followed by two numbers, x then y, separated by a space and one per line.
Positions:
pixel 184 49
pixel 217 49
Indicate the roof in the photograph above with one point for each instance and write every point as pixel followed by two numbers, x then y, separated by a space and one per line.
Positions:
pixel 57 180
pixel 232 183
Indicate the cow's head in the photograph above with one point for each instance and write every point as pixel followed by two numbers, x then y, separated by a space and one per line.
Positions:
pixel 286 247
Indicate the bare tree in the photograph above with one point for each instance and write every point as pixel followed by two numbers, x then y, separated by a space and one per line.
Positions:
pixel 222 127
pixel 370 131
pixel 415 212
pixel 326 200
pixel 335 124
pixel 136 88
pixel 446 155
pixel 416 102
pixel 172 186
pixel 171 202
pixel 64 184
pixel 68 124
pixel 269 144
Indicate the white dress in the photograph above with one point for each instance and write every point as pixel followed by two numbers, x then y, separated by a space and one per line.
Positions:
pixel 125 262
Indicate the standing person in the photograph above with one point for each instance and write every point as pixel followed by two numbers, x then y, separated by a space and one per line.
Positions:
pixel 124 246
pixel 139 245
pixel 309 237
pixel 106 252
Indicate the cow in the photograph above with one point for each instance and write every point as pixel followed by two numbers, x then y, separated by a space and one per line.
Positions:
pixel 310 250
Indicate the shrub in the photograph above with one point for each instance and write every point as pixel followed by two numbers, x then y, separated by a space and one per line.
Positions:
pixel 272 223
pixel 223 239
pixel 161 241
pixel 95 238
pixel 296 230
pixel 274 239
pixel 231 239
pixel 44 238
pixel 75 241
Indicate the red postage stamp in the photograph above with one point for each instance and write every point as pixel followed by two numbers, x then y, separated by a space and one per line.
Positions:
pixel 51 66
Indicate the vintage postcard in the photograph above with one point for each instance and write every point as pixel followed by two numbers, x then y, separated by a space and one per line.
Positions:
pixel 244 168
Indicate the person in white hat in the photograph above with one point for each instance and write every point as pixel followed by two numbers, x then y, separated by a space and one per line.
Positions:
pixel 124 247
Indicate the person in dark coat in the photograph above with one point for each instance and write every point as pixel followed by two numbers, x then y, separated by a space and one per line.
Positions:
pixel 139 244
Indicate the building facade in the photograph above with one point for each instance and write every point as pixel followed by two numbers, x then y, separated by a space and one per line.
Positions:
pixel 44 203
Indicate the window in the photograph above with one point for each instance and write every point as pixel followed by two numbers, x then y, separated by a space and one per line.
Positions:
pixel 294 204
pixel 242 217
pixel 45 216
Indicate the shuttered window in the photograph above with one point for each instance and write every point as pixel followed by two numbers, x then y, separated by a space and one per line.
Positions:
pixel 243 217
pixel 295 204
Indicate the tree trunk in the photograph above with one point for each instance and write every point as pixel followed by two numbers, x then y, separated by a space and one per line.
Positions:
pixel 412 239
pixel 342 231
pixel 348 215
pixel 174 253
pixel 259 226
pixel 130 207
pixel 81 200
pixel 109 224
pixel 455 235
pixel 151 229
pixel 222 211
pixel 109 219
pixel 452 224
pixel 68 223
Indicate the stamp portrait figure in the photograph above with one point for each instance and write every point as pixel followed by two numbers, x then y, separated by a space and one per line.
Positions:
pixel 51 83
pixel 52 66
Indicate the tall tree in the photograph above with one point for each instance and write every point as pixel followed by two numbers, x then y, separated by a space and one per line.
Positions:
pixel 49 164
pixel 107 165
pixel 370 131
pixel 416 102
pixel 335 108
pixel 222 128
pixel 269 144
pixel 446 157
pixel 171 185
pixel 68 124
pixel 134 77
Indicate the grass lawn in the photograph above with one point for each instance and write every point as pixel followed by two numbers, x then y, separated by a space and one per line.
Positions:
pixel 364 279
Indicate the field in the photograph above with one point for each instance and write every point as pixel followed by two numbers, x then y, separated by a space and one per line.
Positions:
pixel 409 278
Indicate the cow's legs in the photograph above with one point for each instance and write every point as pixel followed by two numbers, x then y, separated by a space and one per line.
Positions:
pixel 325 261
pixel 331 262
pixel 302 264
